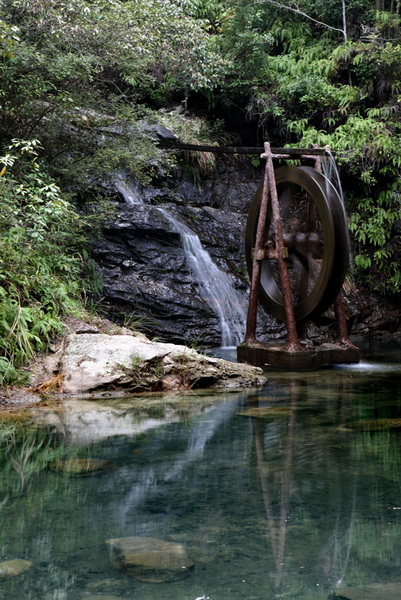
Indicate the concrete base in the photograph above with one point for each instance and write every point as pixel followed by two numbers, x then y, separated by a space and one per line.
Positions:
pixel 310 357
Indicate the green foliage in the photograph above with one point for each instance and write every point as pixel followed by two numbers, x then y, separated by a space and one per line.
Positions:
pixel 41 263
pixel 74 75
pixel 9 39
pixel 79 77
pixel 140 43
pixel 246 42
pixel 195 130
pixel 376 228
pixel 312 90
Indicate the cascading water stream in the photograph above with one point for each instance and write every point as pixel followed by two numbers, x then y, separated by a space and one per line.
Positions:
pixel 129 190
pixel 330 171
pixel 215 286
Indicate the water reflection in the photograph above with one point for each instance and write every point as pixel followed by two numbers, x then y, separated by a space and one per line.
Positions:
pixel 292 491
pixel 277 524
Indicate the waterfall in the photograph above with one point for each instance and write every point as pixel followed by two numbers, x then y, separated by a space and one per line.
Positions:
pixel 130 190
pixel 215 285
pixel 330 171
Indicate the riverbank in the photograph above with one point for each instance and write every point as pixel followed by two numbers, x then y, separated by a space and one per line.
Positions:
pixel 87 362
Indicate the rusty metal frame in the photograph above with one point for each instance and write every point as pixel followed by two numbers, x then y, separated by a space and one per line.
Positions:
pixel 270 191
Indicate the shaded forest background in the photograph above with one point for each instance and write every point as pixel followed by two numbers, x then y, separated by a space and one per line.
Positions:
pixel 79 78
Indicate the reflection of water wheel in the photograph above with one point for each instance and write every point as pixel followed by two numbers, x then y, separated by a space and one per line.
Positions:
pixel 316 237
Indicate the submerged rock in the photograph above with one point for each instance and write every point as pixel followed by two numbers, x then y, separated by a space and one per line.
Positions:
pixel 104 586
pixel 151 560
pixel 82 466
pixel 266 412
pixel 376 425
pixel 12 568
pixel 103 597
pixel 376 591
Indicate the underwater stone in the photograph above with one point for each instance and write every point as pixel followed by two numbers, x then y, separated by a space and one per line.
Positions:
pixel 103 597
pixel 150 560
pixel 82 466
pixel 376 591
pixel 104 585
pixel 376 424
pixel 12 568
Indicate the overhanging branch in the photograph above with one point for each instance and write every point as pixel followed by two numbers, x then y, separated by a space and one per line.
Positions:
pixel 303 14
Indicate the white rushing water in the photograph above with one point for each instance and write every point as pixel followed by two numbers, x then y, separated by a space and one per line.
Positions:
pixel 330 171
pixel 130 190
pixel 215 286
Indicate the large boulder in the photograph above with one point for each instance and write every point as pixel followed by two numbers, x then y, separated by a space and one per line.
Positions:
pixel 94 362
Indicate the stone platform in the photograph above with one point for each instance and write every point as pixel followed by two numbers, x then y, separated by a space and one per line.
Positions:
pixel 310 357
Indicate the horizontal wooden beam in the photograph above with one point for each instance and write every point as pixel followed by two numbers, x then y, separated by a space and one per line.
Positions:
pixel 173 145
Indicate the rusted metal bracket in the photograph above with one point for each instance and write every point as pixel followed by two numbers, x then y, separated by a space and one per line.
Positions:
pixel 269 189
pixel 269 254
pixel 280 253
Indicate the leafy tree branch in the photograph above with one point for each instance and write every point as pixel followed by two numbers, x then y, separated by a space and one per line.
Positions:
pixel 300 12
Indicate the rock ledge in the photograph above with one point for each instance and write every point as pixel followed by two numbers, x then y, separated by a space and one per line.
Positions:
pixel 95 362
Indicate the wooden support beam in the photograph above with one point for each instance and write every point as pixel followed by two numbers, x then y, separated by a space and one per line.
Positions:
pixel 176 145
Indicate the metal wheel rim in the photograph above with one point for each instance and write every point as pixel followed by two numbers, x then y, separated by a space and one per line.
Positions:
pixel 335 260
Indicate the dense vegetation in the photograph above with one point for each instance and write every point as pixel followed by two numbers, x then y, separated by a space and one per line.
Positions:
pixel 79 76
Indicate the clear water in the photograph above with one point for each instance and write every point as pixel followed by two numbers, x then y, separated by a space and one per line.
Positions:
pixel 292 491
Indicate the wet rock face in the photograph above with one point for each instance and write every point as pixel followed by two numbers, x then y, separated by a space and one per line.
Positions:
pixel 141 259
pixel 146 278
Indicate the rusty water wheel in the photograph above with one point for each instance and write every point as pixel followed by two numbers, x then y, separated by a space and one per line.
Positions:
pixel 316 238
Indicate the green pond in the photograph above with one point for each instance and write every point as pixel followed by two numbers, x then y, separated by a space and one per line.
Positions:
pixel 291 491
